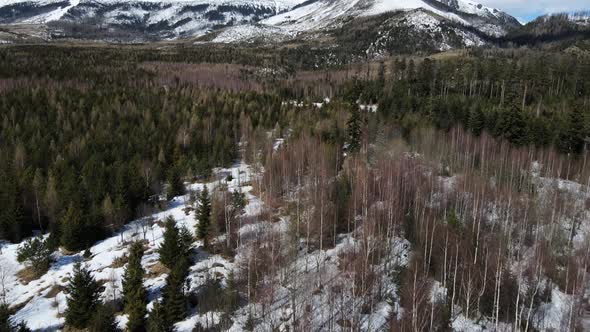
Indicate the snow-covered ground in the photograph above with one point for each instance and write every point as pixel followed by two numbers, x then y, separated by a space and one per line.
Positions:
pixel 312 282
pixel 43 301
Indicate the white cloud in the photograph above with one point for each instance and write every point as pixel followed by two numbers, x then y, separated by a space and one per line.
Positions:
pixel 529 8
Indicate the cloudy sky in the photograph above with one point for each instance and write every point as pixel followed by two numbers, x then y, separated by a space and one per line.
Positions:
pixel 529 9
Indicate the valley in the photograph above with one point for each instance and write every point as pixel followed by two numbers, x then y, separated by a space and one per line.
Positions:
pixel 322 165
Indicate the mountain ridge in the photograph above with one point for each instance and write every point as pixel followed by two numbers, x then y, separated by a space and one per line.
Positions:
pixel 173 19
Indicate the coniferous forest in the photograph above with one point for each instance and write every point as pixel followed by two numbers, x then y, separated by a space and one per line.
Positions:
pixel 195 188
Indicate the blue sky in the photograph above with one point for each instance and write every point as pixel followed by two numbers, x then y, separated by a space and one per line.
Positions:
pixel 527 10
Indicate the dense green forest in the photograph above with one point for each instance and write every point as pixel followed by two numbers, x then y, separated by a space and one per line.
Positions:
pixel 90 140
pixel 527 99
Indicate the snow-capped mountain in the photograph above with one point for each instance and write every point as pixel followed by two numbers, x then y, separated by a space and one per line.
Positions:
pixel 582 19
pixel 166 18
pixel 245 20
pixel 318 14
pixel 429 24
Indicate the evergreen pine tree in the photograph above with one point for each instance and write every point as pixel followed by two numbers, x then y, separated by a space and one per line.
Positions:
pixel 54 238
pixel 573 135
pixel 121 211
pixel 83 297
pixel 354 131
pixel 51 198
pixel 36 254
pixel 186 240
pixel 134 293
pixel 72 230
pixel 513 127
pixel 170 248
pixel 231 295
pixel 175 184
pixel 157 321
pixel 12 219
pixel 103 320
pixel 173 297
pixel 5 318
pixel 13 223
pixel 238 202
pixel 203 216
pixel 476 121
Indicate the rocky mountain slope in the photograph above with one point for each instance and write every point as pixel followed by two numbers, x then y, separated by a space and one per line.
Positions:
pixel 561 31
pixel 250 20
pixel 161 19
pixel 420 15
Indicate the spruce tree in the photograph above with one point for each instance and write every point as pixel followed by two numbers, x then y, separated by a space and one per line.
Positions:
pixel 83 297
pixel 157 321
pixel 186 240
pixel 231 297
pixel 5 318
pixel 238 203
pixel 6 325
pixel 175 184
pixel 36 254
pixel 170 249
pixel 72 230
pixel 203 216
pixel 476 121
pixel 54 238
pixel 51 198
pixel 173 297
pixel 134 293
pixel 573 135
pixel 103 320
pixel 513 127
pixel 354 131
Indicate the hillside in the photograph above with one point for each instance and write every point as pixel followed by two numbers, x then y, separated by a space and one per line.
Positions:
pixel 209 187
pixel 556 28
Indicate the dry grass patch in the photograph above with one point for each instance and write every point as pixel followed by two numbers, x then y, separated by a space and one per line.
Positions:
pixel 67 252
pixel 39 292
pixel 187 210
pixel 157 270
pixel 28 274
pixel 55 289
pixel 120 261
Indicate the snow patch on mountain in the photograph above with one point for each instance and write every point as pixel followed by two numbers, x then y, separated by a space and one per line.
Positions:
pixel 316 15
pixel 383 6
pixel 582 18
pixel 478 9
pixel 424 22
pixel 252 33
